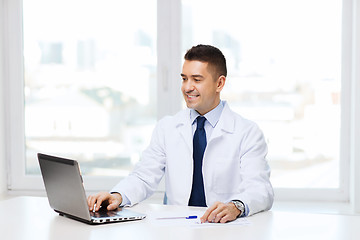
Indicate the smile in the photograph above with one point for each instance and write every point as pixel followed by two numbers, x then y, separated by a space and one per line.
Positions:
pixel 192 96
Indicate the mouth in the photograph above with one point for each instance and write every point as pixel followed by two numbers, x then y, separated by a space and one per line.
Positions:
pixel 192 96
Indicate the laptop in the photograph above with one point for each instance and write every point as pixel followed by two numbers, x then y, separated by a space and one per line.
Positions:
pixel 66 193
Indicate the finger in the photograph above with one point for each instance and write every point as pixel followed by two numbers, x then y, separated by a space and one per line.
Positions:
pixel 226 218
pixel 230 213
pixel 229 216
pixel 204 218
pixel 113 206
pixel 219 216
pixel 213 215
pixel 91 202
pixel 100 199
pixel 114 201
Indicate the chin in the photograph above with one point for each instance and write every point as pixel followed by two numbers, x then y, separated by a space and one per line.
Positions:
pixel 189 105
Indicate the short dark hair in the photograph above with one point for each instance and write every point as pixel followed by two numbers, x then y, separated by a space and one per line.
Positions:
pixel 210 54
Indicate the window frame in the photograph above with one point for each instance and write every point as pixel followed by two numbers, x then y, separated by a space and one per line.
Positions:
pixel 169 100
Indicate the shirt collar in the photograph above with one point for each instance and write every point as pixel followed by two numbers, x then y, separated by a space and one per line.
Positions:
pixel 213 116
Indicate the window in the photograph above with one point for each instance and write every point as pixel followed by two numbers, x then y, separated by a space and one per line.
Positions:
pixel 89 79
pixel 285 74
pixel 90 82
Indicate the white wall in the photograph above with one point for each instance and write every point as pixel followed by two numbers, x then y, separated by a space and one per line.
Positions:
pixel 3 178
pixel 3 183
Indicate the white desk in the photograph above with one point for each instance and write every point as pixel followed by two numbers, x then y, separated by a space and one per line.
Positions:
pixel 32 218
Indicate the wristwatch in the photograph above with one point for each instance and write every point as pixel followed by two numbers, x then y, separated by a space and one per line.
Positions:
pixel 239 205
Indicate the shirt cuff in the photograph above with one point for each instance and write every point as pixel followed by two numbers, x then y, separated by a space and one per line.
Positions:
pixel 246 212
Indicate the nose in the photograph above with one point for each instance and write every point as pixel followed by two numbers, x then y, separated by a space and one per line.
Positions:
pixel 187 86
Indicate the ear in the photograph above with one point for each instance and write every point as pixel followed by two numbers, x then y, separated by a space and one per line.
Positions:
pixel 220 83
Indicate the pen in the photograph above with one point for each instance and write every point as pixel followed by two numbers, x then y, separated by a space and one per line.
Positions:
pixel 188 217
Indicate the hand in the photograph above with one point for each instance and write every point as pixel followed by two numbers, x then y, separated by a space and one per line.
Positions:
pixel 220 212
pixel 112 201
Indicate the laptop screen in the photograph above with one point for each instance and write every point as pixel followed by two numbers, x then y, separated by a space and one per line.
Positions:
pixel 64 185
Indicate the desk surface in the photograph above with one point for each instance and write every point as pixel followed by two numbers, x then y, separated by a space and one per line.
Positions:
pixel 32 218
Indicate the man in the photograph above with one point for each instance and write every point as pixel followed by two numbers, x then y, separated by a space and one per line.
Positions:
pixel 210 156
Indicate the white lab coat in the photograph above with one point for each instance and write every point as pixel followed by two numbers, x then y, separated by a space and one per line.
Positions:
pixel 234 163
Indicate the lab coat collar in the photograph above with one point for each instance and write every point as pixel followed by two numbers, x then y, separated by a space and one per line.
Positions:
pixel 226 124
pixel 212 117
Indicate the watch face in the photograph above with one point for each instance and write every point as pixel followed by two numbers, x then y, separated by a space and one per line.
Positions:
pixel 239 205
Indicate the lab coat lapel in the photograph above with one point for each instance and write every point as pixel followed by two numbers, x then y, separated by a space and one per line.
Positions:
pixel 184 128
pixel 226 123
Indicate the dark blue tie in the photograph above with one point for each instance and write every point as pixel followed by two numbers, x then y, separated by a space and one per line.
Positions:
pixel 197 197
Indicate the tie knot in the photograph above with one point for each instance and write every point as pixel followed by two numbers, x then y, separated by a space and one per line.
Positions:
pixel 200 122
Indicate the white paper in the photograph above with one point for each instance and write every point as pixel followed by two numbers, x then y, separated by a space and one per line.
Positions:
pixel 173 219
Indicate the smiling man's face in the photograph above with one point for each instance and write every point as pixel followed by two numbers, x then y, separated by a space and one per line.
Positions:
pixel 200 90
